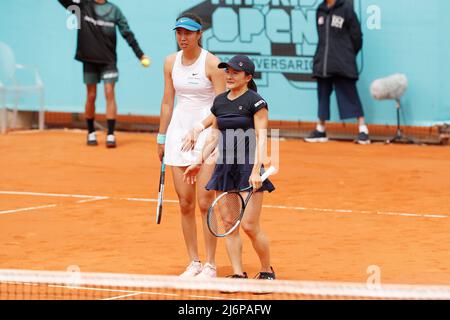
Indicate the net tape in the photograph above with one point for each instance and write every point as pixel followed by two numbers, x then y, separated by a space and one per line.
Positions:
pixel 325 290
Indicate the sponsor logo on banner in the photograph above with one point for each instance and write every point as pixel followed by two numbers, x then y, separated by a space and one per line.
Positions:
pixel 280 36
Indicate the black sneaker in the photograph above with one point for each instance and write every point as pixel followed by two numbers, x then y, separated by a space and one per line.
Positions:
pixel 317 136
pixel 92 139
pixel 235 276
pixel 363 138
pixel 266 275
pixel 238 276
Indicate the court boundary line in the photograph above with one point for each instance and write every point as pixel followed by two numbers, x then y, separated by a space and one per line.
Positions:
pixel 122 296
pixel 128 293
pixel 136 293
pixel 90 198
pixel 93 199
pixel 27 209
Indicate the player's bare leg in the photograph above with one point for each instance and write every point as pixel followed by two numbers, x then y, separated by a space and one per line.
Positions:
pixel 205 199
pixel 111 113
pixel 187 196
pixel 234 249
pixel 89 114
pixel 251 226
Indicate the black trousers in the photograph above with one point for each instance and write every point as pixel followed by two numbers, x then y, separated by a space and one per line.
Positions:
pixel 347 96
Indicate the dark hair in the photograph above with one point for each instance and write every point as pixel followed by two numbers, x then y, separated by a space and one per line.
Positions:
pixel 252 85
pixel 196 18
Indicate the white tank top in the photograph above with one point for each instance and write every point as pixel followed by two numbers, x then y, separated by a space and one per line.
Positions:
pixel 193 89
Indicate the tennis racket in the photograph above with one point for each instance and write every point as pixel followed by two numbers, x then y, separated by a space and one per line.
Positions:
pixel 227 210
pixel 162 175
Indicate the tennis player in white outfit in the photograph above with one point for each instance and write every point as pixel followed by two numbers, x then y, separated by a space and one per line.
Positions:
pixel 192 77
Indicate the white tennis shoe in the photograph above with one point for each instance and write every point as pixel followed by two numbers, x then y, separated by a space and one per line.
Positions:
pixel 92 139
pixel 208 271
pixel 193 269
pixel 111 141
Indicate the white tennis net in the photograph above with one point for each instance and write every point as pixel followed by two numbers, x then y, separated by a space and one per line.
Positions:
pixel 50 285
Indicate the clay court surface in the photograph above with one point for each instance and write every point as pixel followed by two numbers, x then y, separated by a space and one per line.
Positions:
pixel 338 209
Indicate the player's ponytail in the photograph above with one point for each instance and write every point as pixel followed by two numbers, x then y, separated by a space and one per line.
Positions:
pixel 252 84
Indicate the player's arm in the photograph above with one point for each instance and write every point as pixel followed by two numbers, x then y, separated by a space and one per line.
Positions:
pixel 261 119
pixel 206 155
pixel 211 143
pixel 67 3
pixel 208 121
pixel 190 139
pixel 128 35
pixel 167 102
pixel 216 75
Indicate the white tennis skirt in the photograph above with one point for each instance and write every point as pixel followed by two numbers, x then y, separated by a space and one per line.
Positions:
pixel 183 120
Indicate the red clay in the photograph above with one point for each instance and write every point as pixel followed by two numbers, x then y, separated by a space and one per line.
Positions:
pixel 377 183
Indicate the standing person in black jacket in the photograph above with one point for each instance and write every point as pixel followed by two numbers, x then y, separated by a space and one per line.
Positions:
pixel 340 40
pixel 96 49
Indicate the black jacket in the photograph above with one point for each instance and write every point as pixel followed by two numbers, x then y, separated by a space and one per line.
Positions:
pixel 340 40
pixel 97 38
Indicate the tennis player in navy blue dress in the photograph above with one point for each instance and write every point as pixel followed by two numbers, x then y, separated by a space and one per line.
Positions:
pixel 240 117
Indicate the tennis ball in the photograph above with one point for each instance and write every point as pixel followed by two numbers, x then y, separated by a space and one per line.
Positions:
pixel 146 62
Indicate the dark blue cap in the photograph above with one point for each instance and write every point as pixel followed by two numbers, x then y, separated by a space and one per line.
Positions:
pixel 241 63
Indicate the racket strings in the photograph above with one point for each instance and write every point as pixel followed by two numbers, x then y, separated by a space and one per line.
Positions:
pixel 226 213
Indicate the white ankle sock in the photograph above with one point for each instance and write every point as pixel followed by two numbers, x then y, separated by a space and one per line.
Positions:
pixel 364 129
pixel 320 128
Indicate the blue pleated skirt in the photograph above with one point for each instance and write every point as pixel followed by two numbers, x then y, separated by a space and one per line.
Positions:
pixel 232 177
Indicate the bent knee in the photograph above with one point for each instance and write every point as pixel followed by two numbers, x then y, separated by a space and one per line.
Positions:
pixel 251 229
pixel 204 204
pixel 187 206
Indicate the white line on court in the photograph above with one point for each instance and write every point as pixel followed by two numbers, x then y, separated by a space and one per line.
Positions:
pixel 27 209
pixel 321 210
pixel 40 194
pixel 435 216
pixel 359 211
pixel 123 296
pixel 93 199
pixel 129 293
pixel 147 200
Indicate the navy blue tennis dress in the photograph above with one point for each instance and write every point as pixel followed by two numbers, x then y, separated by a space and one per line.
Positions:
pixel 238 142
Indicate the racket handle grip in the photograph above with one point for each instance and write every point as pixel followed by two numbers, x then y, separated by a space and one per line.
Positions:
pixel 268 173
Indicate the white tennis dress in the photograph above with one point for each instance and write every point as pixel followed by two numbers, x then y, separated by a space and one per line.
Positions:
pixel 194 94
